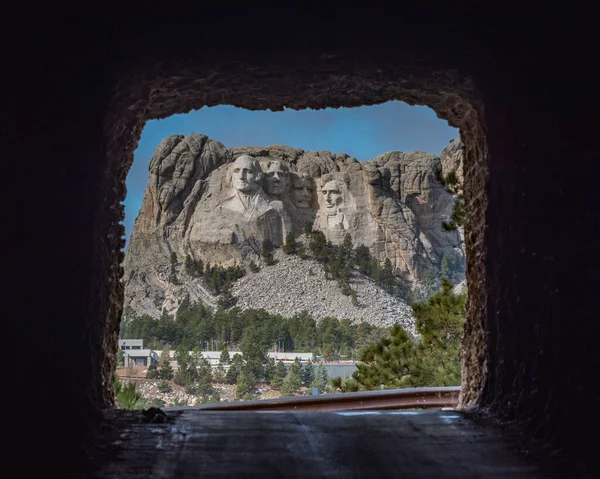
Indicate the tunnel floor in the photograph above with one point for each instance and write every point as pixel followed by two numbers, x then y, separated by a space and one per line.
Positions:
pixel 365 444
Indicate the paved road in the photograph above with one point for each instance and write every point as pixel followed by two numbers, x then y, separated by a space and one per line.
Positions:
pixel 398 444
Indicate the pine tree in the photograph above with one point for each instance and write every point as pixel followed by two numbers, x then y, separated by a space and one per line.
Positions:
pixel 246 385
pixel 400 360
pixel 152 372
pixel 224 358
pixel 308 374
pixel 318 246
pixel 235 369
pixel 270 369
pixel 280 374
pixel 290 245
pixel 308 228
pixel 292 383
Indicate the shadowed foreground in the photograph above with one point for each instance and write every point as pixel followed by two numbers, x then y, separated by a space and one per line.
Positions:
pixel 399 444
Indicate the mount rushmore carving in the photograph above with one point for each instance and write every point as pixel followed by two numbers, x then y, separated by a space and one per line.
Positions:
pixel 220 204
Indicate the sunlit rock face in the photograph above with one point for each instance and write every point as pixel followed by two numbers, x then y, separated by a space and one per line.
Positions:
pixel 220 204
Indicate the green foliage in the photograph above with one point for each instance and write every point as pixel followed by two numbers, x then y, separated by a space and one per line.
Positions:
pixel 235 369
pixel 318 246
pixel 458 215
pixel 194 267
pixel 246 384
pixel 267 251
pixel 173 258
pixel 120 358
pixel 224 357
pixel 293 382
pixel 307 374
pixel 254 268
pixel 430 359
pixel 321 379
pixel 270 370
pixel 226 300
pixel 164 387
pixel 152 372
pixel 219 279
pixel 454 187
pixel 254 332
pixel 126 395
pixel 279 376
pixel 308 228
pixel 290 246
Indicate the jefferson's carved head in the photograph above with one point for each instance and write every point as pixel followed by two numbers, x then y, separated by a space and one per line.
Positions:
pixel 246 174
pixel 333 197
pixel 303 191
pixel 276 178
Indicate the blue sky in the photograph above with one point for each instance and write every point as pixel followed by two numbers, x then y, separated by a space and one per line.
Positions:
pixel 363 132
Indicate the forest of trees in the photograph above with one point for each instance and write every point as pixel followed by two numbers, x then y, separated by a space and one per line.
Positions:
pixel 198 327
pixel 430 358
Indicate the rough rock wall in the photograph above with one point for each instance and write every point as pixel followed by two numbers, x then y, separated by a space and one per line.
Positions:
pixel 219 205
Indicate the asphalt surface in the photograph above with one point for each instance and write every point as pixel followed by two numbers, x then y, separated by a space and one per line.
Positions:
pixel 365 444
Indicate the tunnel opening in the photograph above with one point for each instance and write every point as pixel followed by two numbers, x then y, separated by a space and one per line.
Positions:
pixel 452 97
pixel 178 218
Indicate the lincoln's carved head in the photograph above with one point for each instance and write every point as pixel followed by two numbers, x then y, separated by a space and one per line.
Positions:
pixel 276 178
pixel 246 174
pixel 304 190
pixel 333 198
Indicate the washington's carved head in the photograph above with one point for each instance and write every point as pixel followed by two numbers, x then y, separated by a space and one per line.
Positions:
pixel 246 174
pixel 303 191
pixel 333 198
pixel 276 178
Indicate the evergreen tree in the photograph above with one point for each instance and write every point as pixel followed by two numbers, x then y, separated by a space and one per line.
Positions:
pixel 280 374
pixel 302 251
pixel 346 248
pixel 173 258
pixel 290 246
pixel 190 267
pixel 318 246
pixel 432 359
pixel 270 369
pixel 246 385
pixel 224 358
pixel 322 378
pixel 235 369
pixel 362 259
pixel 293 382
pixel 308 228
pixel 308 374
pixel 204 387
pixel 152 372
pixel 226 300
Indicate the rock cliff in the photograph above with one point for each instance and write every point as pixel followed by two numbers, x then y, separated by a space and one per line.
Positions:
pixel 220 204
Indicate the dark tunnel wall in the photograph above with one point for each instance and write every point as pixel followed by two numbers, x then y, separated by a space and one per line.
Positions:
pixel 84 84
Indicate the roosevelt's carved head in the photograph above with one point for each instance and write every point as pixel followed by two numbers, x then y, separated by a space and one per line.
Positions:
pixel 246 174
pixel 303 192
pixel 276 178
pixel 333 197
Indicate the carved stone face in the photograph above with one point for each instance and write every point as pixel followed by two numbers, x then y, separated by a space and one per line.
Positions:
pixel 332 198
pixel 303 193
pixel 276 179
pixel 245 174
